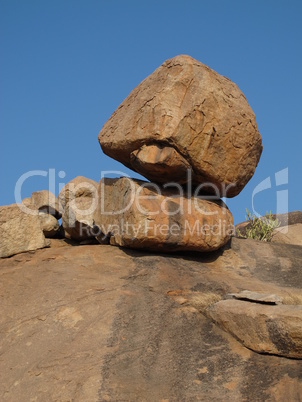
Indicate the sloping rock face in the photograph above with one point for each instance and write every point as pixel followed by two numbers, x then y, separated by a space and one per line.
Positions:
pixel 106 324
pixel 186 115
pixel 138 214
pixel 288 234
pixel 20 231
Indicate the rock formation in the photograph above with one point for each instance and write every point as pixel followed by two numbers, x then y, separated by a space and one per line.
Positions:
pixel 46 202
pixel 49 225
pixel 138 214
pixel 186 116
pixel 78 200
pixel 102 323
pixel 20 231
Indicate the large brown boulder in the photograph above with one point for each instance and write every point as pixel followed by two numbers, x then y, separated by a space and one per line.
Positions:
pixel 138 214
pixel 182 116
pixel 20 231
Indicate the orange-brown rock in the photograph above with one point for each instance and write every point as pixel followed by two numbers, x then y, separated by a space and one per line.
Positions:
pixel 138 214
pixel 77 218
pixel 202 115
pixel 273 329
pixel 78 187
pixel 102 323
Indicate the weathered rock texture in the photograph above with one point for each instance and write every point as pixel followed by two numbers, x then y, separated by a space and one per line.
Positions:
pixel 20 231
pixel 78 218
pixel 49 225
pixel 186 115
pixel 288 234
pixel 78 200
pixel 138 214
pixel 263 328
pixel 78 187
pixel 105 324
pixel 46 202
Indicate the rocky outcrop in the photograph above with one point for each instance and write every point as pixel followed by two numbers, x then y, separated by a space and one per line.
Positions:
pixel 138 214
pixel 78 200
pixel 78 218
pixel 20 231
pixel 49 225
pixel 261 327
pixel 182 116
pixel 78 187
pixel 46 202
pixel 123 325
pixel 288 234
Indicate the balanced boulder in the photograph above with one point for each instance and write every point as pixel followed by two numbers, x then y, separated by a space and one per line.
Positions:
pixel 138 214
pixel 184 118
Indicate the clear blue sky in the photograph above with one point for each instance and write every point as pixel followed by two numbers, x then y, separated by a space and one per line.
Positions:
pixel 65 66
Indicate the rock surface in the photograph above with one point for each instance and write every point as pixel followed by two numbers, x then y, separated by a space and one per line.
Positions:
pixel 99 323
pixel 49 225
pixel 202 115
pixel 78 219
pixel 78 187
pixel 138 214
pixel 46 202
pixel 288 234
pixel 263 298
pixel 20 231
pixel 262 328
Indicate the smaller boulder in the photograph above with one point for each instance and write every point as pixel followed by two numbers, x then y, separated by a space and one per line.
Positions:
pixel 46 202
pixel 20 231
pixel 49 225
pixel 78 187
pixel 78 219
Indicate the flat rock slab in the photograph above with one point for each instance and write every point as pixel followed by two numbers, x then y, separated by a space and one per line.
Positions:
pixel 99 323
pixel 264 298
pixel 262 328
